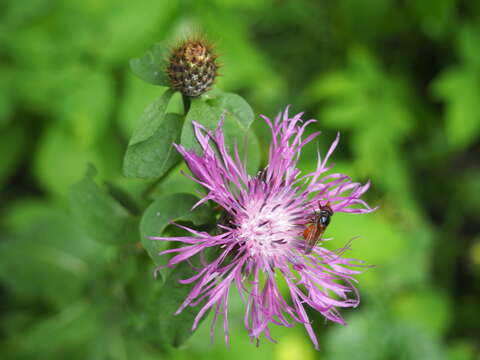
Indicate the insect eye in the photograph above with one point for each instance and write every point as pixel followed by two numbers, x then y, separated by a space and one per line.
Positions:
pixel 325 220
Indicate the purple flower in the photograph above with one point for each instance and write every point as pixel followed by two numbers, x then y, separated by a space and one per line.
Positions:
pixel 261 235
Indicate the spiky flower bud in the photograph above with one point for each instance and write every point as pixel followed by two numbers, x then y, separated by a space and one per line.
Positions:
pixel 192 67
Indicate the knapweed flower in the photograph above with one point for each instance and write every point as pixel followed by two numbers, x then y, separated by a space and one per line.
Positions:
pixel 261 235
pixel 192 67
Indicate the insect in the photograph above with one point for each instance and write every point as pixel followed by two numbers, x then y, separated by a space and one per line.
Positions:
pixel 317 226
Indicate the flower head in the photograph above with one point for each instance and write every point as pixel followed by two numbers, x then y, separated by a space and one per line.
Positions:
pixel 192 67
pixel 261 235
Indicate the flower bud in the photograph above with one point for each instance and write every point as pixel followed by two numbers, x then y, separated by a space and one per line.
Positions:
pixel 192 67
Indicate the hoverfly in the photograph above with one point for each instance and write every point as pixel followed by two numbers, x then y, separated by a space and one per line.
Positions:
pixel 317 227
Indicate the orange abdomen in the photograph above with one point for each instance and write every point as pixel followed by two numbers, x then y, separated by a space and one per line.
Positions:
pixel 308 231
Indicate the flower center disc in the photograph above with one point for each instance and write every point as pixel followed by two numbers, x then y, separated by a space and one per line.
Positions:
pixel 267 229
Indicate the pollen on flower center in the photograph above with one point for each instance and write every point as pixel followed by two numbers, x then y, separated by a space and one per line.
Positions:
pixel 268 228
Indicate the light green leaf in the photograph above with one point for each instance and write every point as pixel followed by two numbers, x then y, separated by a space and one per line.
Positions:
pixel 128 27
pixel 86 104
pixel 427 309
pixel 236 105
pixel 60 160
pixel 460 90
pixel 373 334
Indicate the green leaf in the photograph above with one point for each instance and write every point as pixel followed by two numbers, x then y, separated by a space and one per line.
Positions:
pixel 164 210
pixel 467 44
pixel 57 150
pixel 208 113
pixel 460 90
pixel 176 329
pixel 155 156
pixel 101 217
pixel 136 97
pixel 60 160
pixel 12 148
pixel 151 67
pixel 69 330
pixel 434 16
pixel 128 28
pixel 86 112
pixel 175 180
pixel 201 112
pixel 6 95
pixel 151 119
pixel 375 334
pixel 237 106
pixel 427 309
pixel 250 68
pixel 45 256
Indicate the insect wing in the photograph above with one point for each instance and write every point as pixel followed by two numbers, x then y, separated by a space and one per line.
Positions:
pixel 313 234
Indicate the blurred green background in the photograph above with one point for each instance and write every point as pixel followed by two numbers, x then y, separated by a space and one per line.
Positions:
pixel 399 79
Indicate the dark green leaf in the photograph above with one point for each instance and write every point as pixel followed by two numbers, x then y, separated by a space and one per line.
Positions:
pixel 153 157
pixel 12 147
pixel 69 330
pixel 159 215
pixel 101 216
pixel 209 112
pixel 45 256
pixel 151 67
pixel 176 329
pixel 6 95
pixel 151 119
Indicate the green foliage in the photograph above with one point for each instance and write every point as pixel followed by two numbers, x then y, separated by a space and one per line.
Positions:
pixel 237 117
pixel 172 329
pixel 149 66
pixel 375 334
pixel 163 211
pixel 86 112
pixel 12 147
pixel 374 105
pixel 151 119
pixel 176 329
pixel 400 81
pixel 428 310
pixel 153 157
pixel 74 326
pixel 102 217
pixel 459 88
pixel 57 270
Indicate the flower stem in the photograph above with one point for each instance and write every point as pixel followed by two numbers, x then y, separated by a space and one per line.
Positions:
pixel 186 104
